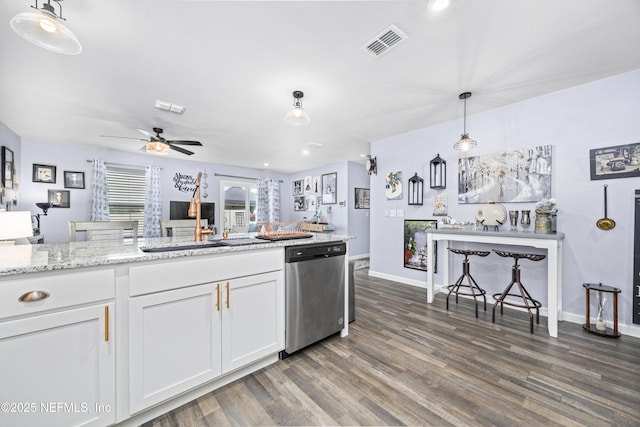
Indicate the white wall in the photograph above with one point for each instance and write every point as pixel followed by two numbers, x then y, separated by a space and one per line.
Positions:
pixel 598 114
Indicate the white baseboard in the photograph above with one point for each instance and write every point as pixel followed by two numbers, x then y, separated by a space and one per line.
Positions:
pixel 623 328
pixel 351 258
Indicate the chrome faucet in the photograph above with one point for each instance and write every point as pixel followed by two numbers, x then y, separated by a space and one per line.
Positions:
pixel 195 211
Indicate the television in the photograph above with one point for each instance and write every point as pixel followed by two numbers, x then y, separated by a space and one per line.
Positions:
pixel 180 210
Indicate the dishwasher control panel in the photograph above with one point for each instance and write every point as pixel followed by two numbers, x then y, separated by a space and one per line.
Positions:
pixel 307 252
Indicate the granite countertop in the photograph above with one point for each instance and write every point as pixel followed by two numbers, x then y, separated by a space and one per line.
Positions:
pixel 21 259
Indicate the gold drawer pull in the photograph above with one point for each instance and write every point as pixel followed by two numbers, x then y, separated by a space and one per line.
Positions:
pixel 34 296
pixel 218 296
pixel 227 294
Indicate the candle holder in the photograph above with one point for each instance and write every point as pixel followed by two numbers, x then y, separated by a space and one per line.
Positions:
pixel 601 321
pixel 525 219
pixel 513 219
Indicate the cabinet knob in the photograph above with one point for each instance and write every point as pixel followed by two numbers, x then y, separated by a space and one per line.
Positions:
pixel 34 296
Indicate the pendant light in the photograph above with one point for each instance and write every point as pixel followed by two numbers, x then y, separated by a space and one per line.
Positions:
pixel 465 142
pixel 45 29
pixel 297 116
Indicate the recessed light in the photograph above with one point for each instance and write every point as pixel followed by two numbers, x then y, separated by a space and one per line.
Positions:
pixel 305 152
pixel 438 5
pixel 266 165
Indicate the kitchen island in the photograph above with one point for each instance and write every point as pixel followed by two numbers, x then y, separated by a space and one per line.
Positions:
pixel 95 333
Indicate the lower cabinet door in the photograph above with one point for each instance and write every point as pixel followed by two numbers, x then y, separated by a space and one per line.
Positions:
pixel 252 319
pixel 58 369
pixel 174 343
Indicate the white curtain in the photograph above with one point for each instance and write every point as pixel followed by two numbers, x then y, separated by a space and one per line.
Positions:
pixel 99 192
pixel 268 200
pixel 152 203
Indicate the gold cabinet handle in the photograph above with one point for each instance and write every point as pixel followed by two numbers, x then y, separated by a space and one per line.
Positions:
pixel 34 296
pixel 227 294
pixel 106 323
pixel 218 297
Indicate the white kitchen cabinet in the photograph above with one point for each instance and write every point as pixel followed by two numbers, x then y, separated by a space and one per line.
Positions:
pixel 252 319
pixel 174 343
pixel 183 338
pixel 58 369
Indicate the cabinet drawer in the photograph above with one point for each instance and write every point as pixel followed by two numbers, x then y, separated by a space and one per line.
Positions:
pixel 182 272
pixel 64 289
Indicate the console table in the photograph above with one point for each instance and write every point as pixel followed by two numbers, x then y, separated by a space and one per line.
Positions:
pixel 552 243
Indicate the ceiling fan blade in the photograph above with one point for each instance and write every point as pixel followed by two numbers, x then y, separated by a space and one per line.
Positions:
pixel 148 134
pixel 173 141
pixel 181 150
pixel 122 137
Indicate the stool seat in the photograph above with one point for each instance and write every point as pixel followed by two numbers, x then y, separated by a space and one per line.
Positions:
pixel 471 288
pixel 527 301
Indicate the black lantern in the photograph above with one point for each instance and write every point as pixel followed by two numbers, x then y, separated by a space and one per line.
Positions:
pixel 438 173
pixel 416 190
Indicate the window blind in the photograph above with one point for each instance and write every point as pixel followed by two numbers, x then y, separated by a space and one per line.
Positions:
pixel 126 195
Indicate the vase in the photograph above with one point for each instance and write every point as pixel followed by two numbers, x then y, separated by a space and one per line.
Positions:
pixel 513 219
pixel 525 219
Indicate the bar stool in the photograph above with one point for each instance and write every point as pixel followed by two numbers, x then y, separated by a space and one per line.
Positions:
pixel 527 301
pixel 471 284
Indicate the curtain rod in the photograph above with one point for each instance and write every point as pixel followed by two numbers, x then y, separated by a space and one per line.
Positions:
pixel 240 177
pixel 121 165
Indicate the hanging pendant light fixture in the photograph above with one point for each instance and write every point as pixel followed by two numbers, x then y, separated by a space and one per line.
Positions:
pixel 45 29
pixel 465 142
pixel 297 116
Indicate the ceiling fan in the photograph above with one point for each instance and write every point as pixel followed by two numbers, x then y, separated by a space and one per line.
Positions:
pixel 158 144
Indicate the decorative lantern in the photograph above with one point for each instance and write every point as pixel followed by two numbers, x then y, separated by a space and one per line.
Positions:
pixel 438 173
pixel 416 189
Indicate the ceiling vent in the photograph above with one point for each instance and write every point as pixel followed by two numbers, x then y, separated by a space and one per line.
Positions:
pixel 385 41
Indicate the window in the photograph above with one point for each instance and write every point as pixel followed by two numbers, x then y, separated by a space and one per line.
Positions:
pixel 239 199
pixel 126 195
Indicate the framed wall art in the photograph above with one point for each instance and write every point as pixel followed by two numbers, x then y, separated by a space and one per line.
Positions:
pixel 60 198
pixel 362 199
pixel 8 165
pixel 73 179
pixel 299 203
pixel 44 173
pixel 415 244
pixel 329 189
pixel 522 175
pixel 617 161
pixel 393 185
pixel 298 187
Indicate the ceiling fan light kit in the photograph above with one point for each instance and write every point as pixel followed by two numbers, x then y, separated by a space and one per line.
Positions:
pixel 45 29
pixel 297 116
pixel 465 143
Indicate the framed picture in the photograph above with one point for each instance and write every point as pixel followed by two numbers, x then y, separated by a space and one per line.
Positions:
pixel 415 244
pixel 316 184
pixel 329 189
pixel 59 198
pixel 44 173
pixel 522 175
pixel 618 161
pixel 299 203
pixel 393 185
pixel 73 179
pixel 8 164
pixel 362 198
pixel 298 187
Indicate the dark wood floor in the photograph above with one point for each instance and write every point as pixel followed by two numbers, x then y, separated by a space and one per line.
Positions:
pixel 406 362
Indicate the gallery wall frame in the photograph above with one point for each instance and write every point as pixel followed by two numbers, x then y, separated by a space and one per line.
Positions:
pixel 8 166
pixel 616 161
pixel 362 198
pixel 44 173
pixel 73 179
pixel 415 244
pixel 298 187
pixel 60 198
pixel 299 203
pixel 329 188
pixel 518 175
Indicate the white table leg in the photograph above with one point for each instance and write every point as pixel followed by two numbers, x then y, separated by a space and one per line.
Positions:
pixel 430 254
pixel 552 289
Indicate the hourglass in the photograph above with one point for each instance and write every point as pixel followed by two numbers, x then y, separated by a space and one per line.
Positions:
pixel 600 325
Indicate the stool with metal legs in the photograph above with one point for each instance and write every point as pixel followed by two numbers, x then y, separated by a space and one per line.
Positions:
pixel 473 289
pixel 527 301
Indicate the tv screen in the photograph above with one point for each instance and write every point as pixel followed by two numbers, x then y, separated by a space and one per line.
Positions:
pixel 180 210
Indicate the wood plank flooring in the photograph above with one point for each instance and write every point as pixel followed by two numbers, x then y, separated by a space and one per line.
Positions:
pixel 406 362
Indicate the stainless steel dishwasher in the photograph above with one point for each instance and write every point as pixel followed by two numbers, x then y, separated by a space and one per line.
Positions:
pixel 314 291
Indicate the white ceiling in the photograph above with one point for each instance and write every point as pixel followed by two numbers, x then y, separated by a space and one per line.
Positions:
pixel 234 65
